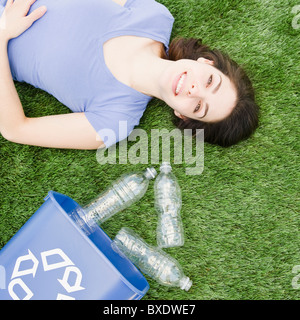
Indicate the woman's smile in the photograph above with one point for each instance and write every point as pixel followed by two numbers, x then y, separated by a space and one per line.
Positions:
pixel 178 83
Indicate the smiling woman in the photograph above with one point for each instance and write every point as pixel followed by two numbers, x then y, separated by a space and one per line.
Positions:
pixel 106 68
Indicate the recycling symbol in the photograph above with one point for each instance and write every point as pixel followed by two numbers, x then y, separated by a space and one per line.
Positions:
pixel 17 283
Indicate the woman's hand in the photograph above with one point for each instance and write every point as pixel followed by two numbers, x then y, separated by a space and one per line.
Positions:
pixel 14 20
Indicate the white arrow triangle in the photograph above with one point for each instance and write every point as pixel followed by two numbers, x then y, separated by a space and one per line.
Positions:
pixel 19 273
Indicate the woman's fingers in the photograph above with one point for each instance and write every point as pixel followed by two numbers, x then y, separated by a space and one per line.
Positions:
pixel 24 2
pixel 9 3
pixel 24 5
pixel 15 18
pixel 36 14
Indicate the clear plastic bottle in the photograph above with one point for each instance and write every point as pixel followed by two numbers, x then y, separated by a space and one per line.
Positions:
pixel 151 260
pixel 128 189
pixel 168 204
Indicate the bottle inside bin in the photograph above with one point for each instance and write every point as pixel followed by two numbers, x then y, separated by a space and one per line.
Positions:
pixel 126 190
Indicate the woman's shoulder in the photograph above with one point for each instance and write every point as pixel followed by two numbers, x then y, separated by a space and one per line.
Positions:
pixel 149 6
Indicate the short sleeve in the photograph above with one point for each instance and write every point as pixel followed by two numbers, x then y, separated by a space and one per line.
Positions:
pixel 3 3
pixel 111 124
pixel 1 8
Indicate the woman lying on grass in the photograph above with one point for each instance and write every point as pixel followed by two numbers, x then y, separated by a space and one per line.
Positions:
pixel 105 60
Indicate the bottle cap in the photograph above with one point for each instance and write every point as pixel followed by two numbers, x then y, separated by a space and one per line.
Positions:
pixel 186 283
pixel 150 173
pixel 165 167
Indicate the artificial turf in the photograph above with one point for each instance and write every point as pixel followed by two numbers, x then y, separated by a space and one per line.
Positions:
pixel 241 215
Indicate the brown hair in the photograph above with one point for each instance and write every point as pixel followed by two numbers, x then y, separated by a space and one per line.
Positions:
pixel 243 120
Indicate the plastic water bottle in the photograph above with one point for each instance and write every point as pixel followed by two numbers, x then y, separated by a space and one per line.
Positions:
pixel 168 204
pixel 128 189
pixel 151 260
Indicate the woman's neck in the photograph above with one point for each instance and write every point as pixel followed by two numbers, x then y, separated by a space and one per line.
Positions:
pixel 137 62
pixel 147 68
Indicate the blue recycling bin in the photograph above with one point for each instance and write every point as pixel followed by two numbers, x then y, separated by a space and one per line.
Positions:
pixel 51 258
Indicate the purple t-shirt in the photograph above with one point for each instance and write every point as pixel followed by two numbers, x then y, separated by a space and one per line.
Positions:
pixel 62 53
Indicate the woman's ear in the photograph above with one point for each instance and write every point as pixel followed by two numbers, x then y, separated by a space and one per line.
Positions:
pixel 207 61
pixel 179 115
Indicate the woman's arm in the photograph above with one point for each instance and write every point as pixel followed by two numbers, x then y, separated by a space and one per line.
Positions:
pixel 60 131
pixel 12 23
pixel 11 111
pixel 67 131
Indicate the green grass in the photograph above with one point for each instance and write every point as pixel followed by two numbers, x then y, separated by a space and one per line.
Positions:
pixel 241 215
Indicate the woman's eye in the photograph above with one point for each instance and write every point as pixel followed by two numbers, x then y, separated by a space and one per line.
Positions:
pixel 209 80
pixel 198 107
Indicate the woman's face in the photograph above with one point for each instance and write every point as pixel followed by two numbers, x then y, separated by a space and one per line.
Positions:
pixel 197 90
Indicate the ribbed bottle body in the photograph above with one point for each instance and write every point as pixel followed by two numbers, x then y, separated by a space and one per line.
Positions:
pixel 151 260
pixel 168 203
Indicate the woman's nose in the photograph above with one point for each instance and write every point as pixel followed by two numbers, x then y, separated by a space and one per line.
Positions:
pixel 193 90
